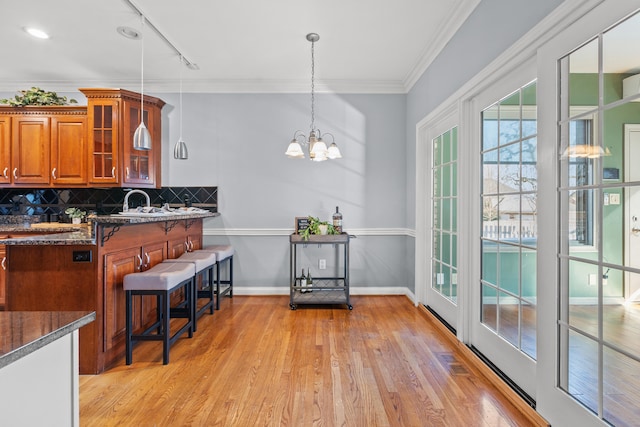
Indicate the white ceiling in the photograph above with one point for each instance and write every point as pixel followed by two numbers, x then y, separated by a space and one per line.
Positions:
pixel 365 46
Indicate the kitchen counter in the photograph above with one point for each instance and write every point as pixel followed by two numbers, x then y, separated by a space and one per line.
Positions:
pixel 23 332
pixel 83 234
pixel 83 268
pixel 39 367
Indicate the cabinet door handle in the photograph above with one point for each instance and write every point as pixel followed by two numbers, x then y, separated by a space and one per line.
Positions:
pixel 113 172
pixel 5 172
pixel 15 173
pixel 146 255
pixel 127 170
pixel 53 173
pixel 4 263
pixel 139 262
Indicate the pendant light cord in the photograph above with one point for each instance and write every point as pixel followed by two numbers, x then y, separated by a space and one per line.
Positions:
pixel 142 71
pixel 313 71
pixel 181 62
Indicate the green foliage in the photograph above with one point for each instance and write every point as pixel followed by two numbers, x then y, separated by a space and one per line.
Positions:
pixel 75 213
pixel 314 228
pixel 37 96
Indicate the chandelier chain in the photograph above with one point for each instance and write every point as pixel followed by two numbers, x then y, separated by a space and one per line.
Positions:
pixel 313 72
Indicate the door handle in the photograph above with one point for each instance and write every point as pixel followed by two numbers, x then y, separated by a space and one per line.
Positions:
pixel 127 171
pixel 4 263
pixel 15 173
pixel 113 172
pixel 139 262
pixel 53 173
pixel 5 172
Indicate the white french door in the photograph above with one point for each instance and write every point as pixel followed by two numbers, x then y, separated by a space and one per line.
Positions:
pixel 503 288
pixel 437 214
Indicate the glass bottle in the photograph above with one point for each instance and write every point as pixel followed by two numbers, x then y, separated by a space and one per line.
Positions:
pixel 303 281
pixel 309 281
pixel 337 221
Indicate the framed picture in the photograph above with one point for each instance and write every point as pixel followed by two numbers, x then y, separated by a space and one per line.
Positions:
pixel 302 223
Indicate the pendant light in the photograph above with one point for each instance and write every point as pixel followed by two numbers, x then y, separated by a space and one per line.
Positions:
pixel 142 137
pixel 318 150
pixel 180 150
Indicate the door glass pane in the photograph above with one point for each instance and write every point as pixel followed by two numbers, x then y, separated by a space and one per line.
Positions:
pixel 599 196
pixel 509 208
pixel 444 222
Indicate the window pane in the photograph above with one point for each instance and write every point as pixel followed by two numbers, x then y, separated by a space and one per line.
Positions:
pixel 509 318
pixel 620 396
pixel 490 128
pixel 583 75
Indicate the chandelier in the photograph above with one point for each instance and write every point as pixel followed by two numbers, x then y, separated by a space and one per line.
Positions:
pixel 318 150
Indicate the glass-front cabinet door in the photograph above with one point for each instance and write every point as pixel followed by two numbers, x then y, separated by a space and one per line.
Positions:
pixel 138 164
pixel 103 142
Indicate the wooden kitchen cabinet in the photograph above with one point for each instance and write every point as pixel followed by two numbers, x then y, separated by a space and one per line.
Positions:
pixel 117 265
pixel 68 150
pixel 95 283
pixel 3 275
pixel 30 149
pixel 114 115
pixel 5 150
pixel 43 146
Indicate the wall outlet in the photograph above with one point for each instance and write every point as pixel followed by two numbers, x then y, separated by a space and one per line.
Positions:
pixel 614 198
pixel 322 264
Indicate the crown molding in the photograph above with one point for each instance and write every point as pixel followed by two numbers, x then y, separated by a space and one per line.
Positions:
pixel 220 86
pixel 447 30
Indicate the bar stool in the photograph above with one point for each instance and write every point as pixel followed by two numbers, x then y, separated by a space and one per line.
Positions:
pixel 223 253
pixel 203 262
pixel 161 280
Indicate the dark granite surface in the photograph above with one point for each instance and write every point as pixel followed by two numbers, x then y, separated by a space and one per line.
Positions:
pixel 83 234
pixel 23 332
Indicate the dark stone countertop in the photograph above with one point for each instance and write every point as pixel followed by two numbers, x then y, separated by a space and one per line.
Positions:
pixel 23 332
pixel 82 234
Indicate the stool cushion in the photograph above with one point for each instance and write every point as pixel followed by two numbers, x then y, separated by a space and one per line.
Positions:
pixel 222 251
pixel 163 276
pixel 202 260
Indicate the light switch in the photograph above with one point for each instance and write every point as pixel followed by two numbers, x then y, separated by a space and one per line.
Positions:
pixel 614 198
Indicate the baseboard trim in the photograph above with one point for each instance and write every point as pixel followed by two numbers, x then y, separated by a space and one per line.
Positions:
pixel 486 371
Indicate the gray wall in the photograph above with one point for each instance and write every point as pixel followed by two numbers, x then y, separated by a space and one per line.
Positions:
pixel 237 143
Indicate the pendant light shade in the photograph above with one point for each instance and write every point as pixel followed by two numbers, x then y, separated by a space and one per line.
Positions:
pixel 318 150
pixel 142 137
pixel 180 151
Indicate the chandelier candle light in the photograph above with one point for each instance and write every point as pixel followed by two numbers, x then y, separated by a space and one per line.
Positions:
pixel 318 150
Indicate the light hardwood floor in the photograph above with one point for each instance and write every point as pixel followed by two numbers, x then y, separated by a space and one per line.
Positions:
pixel 258 363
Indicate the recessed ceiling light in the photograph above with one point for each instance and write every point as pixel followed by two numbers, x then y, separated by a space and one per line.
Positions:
pixel 37 33
pixel 128 32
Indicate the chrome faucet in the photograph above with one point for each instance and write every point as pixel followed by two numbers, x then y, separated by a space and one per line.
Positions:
pixel 125 205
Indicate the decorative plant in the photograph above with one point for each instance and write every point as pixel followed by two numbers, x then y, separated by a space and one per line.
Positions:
pixel 314 228
pixel 75 213
pixel 37 96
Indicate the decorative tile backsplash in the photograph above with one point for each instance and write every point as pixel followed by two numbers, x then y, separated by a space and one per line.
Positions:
pixel 103 201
